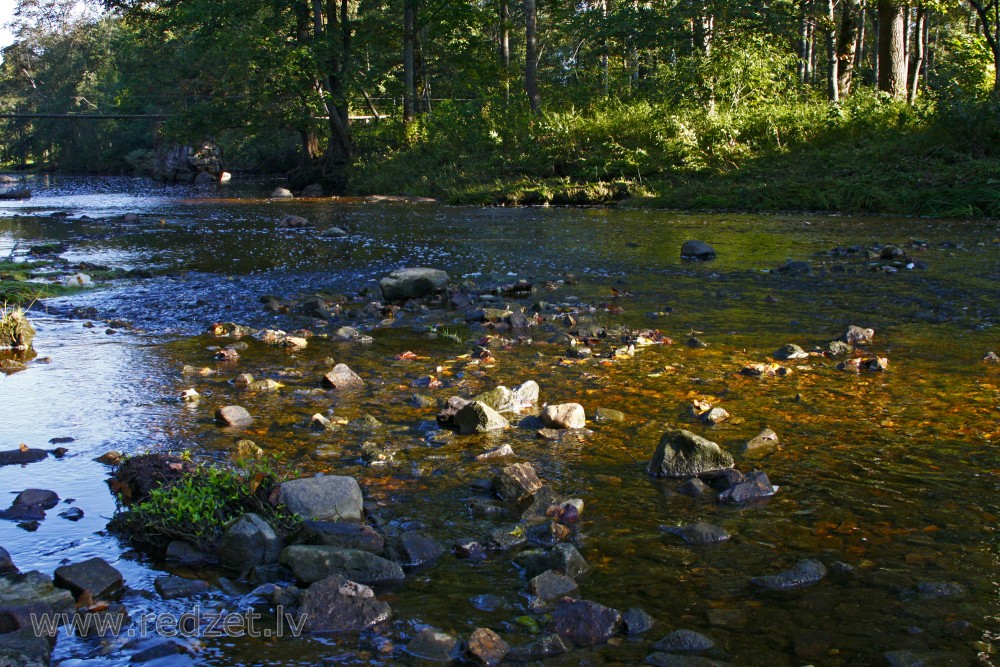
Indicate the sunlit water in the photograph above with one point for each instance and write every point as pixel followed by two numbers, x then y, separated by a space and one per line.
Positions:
pixel 894 474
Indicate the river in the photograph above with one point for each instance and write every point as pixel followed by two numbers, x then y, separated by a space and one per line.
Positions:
pixel 890 479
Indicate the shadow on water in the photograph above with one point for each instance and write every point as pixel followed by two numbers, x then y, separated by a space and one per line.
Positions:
pixel 893 474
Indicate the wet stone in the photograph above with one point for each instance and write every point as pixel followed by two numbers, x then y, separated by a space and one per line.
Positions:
pixel 446 417
pixel 789 352
pixel 805 573
pixel 434 645
pixel 660 659
pixel 156 652
pixel 233 415
pixel 94 574
pixel 468 547
pixel 336 604
pixel 696 343
pixel 565 415
pixel 41 498
pixel 184 554
pixel 324 497
pixel 413 549
pixel 754 486
pixel 248 542
pixel 607 415
pixel 311 563
pixel 496 453
pixel 766 439
pixel 549 586
pixel 544 647
pixel 699 533
pixel 566 559
pixel 695 488
pixel 856 335
pixel 585 623
pixel 342 534
pixel 684 641
pixel 636 621
pixel 31 587
pixel 681 453
pixel 477 417
pixel 171 588
pixel 715 416
pixel 6 563
pixel 485 647
pixel 516 482
pixel 342 378
pixel 413 283
pixel 697 250
pixel 505 539
pixel 940 589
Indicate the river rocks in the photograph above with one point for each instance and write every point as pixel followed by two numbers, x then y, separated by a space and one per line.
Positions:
pixel 858 364
pixel 607 415
pixel 929 590
pixel 699 533
pixel 550 586
pixel 183 553
pixel 485 647
pixel 856 335
pixel 433 645
pixel 766 439
pixel 311 563
pixel 477 417
pixel 684 641
pixel 715 416
pixel 248 542
pixel 21 456
pixel 413 549
pixel 336 604
pixel 804 573
pixel 516 482
pixel 565 415
pixel 681 453
pixel 330 497
pixel 789 352
pixel 31 587
pixel 341 534
pixel 446 417
pixel 517 399
pixel 294 222
pixel 566 559
pixel 585 623
pixel 544 647
pixel 23 648
pixel 837 348
pixel 281 193
pixel 342 378
pixel 171 587
pixel 635 621
pixel 753 486
pixel 697 250
pixel 233 415
pixel 765 370
pixel 6 563
pixel 413 283
pixel 30 505
pixel 794 268
pixel 95 575
pixel 16 332
pixel 500 452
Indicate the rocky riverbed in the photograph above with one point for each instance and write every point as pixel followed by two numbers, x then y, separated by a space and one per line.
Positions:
pixel 755 458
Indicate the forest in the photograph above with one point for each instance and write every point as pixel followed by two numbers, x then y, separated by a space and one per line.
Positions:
pixel 827 105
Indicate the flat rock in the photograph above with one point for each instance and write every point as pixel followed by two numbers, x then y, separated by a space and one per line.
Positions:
pixel 433 645
pixel 32 587
pixel 681 453
pixel 413 549
pixel 804 573
pixel 311 563
pixel 346 535
pixel 94 574
pixel 684 641
pixel 171 588
pixel 607 415
pixel 248 542
pixel 336 604
pixel 324 497
pixel 477 417
pixel 485 647
pixel 42 498
pixel 233 415
pixel 565 415
pixel 413 283
pixel 697 250
pixel 585 623
pixel 502 451
pixel 699 533
pixel 341 378
pixel 23 456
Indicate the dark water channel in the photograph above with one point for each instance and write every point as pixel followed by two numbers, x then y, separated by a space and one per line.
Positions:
pixel 894 474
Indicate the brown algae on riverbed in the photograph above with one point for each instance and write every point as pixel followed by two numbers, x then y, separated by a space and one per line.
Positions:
pixel 887 478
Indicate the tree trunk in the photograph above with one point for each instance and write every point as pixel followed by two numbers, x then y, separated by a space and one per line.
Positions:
pixel 531 55
pixel 803 65
pixel 891 49
pixel 409 85
pixel 832 77
pixel 991 31
pixel 847 44
pixel 918 52
pixel 605 78
pixel 504 46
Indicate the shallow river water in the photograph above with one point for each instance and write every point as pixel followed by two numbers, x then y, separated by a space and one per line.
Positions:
pixel 890 479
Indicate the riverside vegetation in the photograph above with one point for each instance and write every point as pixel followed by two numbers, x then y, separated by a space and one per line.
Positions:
pixel 854 107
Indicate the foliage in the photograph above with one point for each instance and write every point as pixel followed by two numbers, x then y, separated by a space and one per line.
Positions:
pixel 196 506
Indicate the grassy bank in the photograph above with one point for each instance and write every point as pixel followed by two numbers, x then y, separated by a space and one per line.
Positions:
pixel 869 155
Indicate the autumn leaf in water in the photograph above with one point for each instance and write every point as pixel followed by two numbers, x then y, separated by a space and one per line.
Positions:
pixel 406 356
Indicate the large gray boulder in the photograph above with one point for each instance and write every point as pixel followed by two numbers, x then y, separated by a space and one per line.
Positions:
pixel 565 415
pixel 342 377
pixel 681 453
pixel 24 648
pixel 325 497
pixel 477 417
pixel 335 604
pixel 311 563
pixel 697 250
pixel 248 542
pixel 584 622
pixel 413 283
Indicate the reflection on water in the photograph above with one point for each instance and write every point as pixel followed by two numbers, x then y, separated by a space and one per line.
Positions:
pixel 889 479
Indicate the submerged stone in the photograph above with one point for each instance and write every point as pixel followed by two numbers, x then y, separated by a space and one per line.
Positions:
pixel 804 573
pixel 681 453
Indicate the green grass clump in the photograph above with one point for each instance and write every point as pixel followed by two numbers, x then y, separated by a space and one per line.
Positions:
pixel 196 506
